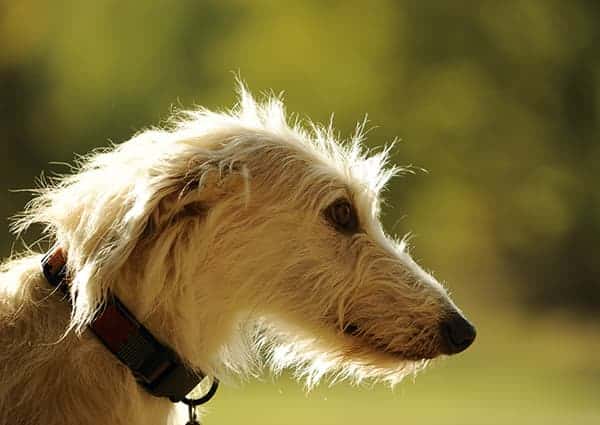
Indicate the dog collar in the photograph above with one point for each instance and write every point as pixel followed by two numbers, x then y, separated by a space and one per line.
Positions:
pixel 155 366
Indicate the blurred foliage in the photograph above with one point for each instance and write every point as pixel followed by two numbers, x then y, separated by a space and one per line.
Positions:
pixel 498 100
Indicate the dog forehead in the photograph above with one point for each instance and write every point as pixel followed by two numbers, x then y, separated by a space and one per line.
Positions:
pixel 328 172
pixel 323 158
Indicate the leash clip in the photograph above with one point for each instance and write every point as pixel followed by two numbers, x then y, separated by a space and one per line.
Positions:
pixel 193 403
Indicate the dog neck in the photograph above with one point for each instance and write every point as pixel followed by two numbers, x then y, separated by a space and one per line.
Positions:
pixel 53 377
pixel 156 367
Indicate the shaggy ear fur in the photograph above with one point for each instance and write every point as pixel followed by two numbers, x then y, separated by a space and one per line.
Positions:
pixel 112 207
pixel 192 199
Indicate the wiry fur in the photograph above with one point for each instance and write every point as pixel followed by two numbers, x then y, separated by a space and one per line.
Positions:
pixel 212 232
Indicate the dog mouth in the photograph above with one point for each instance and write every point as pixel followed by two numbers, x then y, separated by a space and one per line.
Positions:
pixel 359 337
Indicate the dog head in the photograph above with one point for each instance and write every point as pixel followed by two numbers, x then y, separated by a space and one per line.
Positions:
pixel 232 234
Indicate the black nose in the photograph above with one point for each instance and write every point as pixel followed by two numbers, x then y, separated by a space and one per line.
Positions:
pixel 457 334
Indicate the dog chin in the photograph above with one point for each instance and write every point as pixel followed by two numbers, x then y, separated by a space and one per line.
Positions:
pixel 353 333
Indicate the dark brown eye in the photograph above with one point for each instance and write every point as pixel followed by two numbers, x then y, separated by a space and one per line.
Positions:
pixel 342 215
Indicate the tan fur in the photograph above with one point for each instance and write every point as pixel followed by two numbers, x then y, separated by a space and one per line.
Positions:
pixel 212 233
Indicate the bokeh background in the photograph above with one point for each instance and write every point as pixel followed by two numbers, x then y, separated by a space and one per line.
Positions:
pixel 498 100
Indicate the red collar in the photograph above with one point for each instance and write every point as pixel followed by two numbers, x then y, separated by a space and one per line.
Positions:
pixel 154 365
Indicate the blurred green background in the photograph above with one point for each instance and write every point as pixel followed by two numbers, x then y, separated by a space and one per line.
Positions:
pixel 498 100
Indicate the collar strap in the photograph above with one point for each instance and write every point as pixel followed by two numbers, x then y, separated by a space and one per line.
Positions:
pixel 155 366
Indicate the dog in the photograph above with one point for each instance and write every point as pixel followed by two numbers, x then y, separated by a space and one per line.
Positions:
pixel 237 240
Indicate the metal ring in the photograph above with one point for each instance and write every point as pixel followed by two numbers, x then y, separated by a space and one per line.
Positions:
pixel 205 398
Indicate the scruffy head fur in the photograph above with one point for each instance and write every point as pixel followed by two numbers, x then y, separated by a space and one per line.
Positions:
pixel 221 234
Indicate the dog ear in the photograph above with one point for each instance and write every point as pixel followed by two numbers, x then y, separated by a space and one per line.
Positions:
pixel 173 200
pixel 101 222
pixel 192 199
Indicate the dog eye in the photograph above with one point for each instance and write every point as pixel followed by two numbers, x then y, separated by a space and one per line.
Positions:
pixel 342 215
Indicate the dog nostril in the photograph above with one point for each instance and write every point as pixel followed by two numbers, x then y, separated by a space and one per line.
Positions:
pixel 458 333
